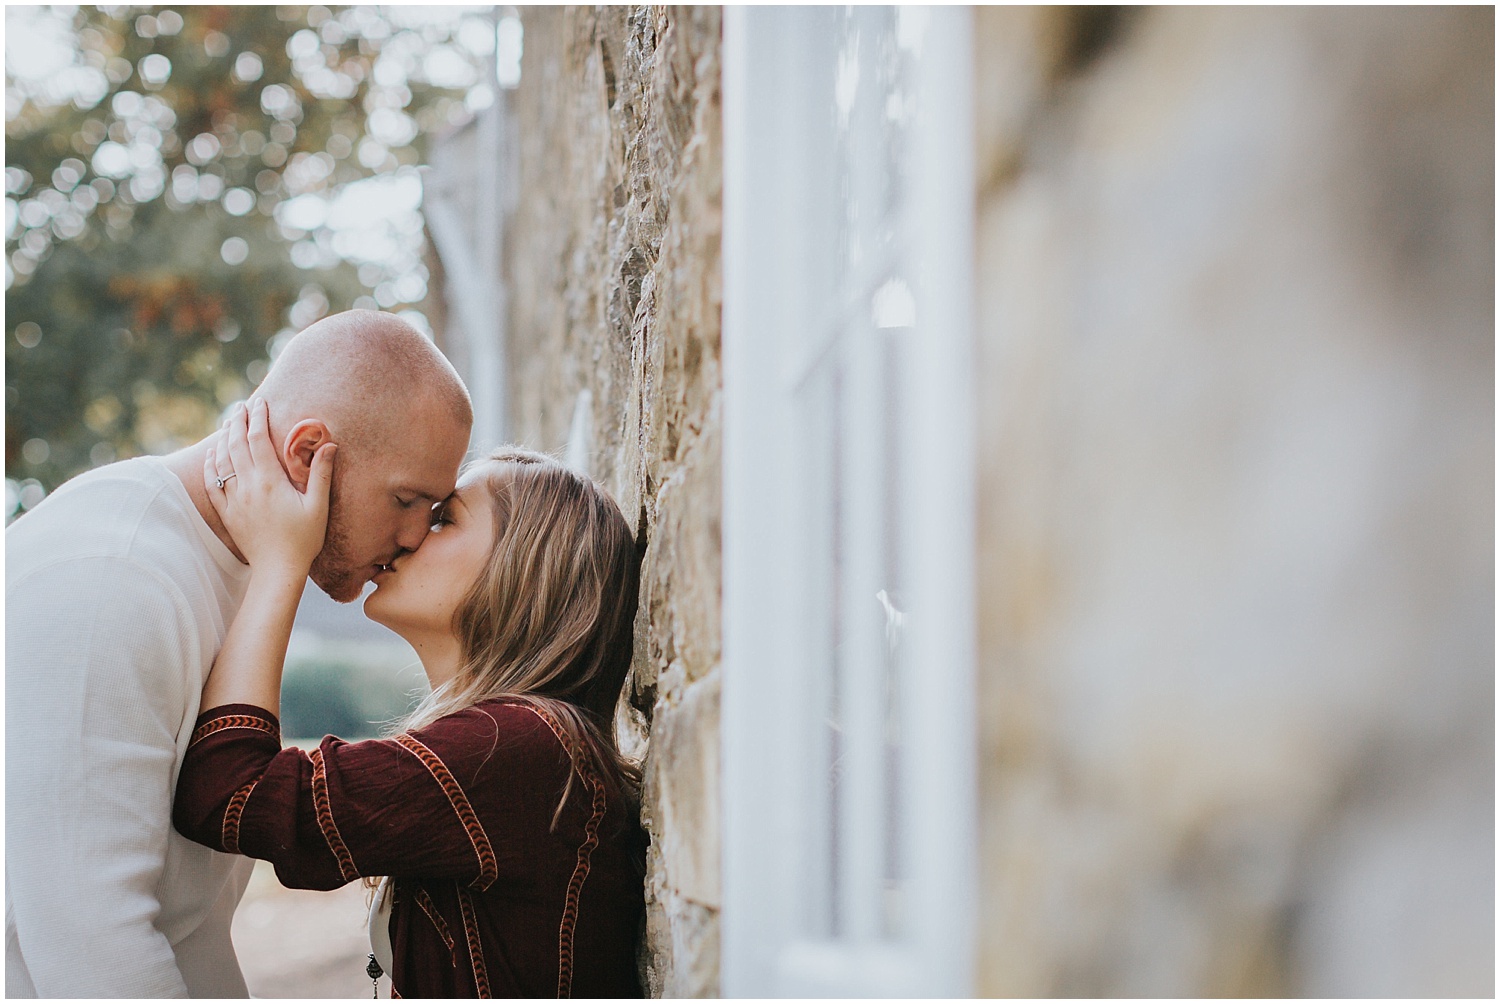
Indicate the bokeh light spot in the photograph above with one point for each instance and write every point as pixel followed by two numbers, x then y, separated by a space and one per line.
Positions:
pixel 248 67
pixel 234 251
pixel 155 69
pixel 36 451
pixel 238 202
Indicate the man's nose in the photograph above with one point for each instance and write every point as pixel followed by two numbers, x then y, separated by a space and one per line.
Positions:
pixel 413 532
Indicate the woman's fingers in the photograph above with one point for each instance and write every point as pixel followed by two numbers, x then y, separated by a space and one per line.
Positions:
pixel 211 482
pixel 320 478
pixel 259 435
pixel 220 454
pixel 237 435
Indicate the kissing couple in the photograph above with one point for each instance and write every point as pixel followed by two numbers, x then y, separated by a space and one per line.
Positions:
pixel 148 607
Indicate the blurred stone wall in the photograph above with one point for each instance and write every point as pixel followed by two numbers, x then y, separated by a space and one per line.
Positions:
pixel 612 265
pixel 1236 386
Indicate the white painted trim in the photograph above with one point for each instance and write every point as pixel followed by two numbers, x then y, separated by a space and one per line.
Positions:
pixel 475 292
pixel 758 504
pixel 579 453
pixel 474 297
pixel 771 317
pixel 940 426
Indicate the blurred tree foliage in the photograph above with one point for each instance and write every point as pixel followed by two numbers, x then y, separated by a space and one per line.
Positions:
pixel 147 265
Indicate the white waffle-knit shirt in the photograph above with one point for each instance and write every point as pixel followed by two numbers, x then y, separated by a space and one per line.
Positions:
pixel 117 598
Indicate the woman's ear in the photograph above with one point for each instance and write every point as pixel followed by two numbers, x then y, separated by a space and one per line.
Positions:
pixel 302 442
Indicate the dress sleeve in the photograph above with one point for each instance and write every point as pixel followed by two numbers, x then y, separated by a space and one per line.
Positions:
pixel 428 804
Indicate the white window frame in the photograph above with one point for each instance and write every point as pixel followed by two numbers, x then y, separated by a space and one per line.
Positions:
pixel 468 194
pixel 768 325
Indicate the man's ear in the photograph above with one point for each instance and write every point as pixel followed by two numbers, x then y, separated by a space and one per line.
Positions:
pixel 302 442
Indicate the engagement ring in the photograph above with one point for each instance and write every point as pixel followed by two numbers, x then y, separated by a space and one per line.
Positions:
pixel 222 481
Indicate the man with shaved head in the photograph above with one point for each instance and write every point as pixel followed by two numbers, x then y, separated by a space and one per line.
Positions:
pixel 400 415
pixel 119 588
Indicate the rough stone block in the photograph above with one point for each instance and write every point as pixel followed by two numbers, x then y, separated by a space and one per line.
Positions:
pixel 612 262
pixel 1236 495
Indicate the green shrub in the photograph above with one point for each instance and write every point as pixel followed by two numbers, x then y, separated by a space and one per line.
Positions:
pixel 344 695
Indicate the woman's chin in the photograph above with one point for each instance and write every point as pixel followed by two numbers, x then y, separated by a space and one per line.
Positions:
pixel 373 607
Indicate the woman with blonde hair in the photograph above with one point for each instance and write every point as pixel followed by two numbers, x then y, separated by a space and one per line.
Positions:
pixel 502 817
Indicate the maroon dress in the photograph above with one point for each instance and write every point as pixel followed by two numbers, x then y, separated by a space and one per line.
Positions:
pixel 490 898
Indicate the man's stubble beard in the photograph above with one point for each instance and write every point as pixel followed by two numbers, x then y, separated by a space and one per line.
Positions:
pixel 332 570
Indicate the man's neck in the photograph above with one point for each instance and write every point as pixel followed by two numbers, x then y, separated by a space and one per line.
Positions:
pixel 187 464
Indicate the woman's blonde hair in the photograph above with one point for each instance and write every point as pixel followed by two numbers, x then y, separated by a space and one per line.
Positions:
pixel 550 620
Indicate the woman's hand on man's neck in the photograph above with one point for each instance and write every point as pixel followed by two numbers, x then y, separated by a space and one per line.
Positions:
pixel 187 464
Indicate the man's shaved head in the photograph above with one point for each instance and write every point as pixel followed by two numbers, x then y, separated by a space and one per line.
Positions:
pixel 400 415
pixel 362 372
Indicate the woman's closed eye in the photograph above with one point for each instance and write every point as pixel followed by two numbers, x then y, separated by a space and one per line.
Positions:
pixel 441 516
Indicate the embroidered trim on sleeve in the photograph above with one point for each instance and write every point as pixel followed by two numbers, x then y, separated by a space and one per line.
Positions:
pixel 208 728
pixel 488 867
pixel 569 923
pixel 231 838
pixel 325 819
pixel 476 950
pixel 575 889
pixel 430 908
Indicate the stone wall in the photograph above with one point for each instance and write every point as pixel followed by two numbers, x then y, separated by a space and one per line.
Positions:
pixel 1236 379
pixel 612 265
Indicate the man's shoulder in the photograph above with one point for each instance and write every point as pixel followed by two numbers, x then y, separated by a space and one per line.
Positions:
pixel 98 492
pixel 107 571
pixel 121 512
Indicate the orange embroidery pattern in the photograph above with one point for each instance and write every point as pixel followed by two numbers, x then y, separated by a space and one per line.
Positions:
pixel 325 819
pixel 232 815
pixel 233 722
pixel 585 852
pixel 476 950
pixel 488 868
pixel 430 908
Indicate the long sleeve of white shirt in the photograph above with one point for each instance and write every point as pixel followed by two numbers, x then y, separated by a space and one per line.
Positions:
pixel 89 795
pixel 104 664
